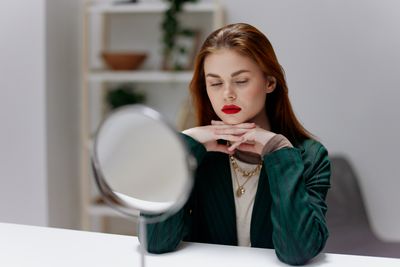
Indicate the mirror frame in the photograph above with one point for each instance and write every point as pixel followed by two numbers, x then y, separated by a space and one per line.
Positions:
pixel 113 199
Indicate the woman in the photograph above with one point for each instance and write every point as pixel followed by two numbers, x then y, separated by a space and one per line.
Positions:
pixel 261 179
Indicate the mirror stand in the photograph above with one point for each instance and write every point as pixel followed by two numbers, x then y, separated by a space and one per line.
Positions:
pixel 143 240
pixel 133 178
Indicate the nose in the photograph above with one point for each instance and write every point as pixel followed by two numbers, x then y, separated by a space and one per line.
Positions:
pixel 229 93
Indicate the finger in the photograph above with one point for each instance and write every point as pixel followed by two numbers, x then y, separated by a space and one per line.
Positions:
pixel 247 141
pixel 234 146
pixel 247 147
pixel 240 125
pixel 228 137
pixel 234 131
pixel 213 122
pixel 249 138
pixel 223 149
pixel 246 125
pixel 235 126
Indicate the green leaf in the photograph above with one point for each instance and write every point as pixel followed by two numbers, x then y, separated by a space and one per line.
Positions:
pixel 123 95
pixel 182 50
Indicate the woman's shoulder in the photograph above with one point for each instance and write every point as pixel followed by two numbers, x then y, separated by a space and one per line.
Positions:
pixel 314 155
pixel 310 146
pixel 312 150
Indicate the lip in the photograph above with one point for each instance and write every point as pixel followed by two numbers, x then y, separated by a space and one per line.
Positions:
pixel 231 109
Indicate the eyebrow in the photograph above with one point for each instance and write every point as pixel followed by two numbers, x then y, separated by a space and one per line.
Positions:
pixel 232 75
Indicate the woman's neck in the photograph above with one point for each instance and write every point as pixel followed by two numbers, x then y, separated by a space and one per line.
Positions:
pixel 261 120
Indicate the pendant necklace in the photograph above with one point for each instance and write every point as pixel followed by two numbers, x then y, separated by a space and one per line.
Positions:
pixel 246 174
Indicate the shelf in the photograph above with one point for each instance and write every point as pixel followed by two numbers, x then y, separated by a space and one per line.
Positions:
pixel 140 76
pixel 157 7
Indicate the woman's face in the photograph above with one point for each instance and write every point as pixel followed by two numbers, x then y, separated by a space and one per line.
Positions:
pixel 236 87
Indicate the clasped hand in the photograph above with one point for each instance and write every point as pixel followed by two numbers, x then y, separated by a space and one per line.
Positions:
pixel 244 136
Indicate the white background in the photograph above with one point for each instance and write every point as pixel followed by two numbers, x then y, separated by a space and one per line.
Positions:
pixel 22 113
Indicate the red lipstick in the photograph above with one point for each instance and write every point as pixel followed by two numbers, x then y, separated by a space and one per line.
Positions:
pixel 230 109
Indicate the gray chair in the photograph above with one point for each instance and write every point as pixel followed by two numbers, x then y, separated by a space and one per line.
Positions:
pixel 348 224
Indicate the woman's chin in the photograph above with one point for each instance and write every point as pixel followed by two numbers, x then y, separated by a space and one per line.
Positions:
pixel 232 121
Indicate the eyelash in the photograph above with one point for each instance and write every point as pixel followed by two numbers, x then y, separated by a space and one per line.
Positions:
pixel 237 82
pixel 241 82
pixel 216 84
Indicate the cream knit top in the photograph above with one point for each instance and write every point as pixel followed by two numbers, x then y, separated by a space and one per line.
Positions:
pixel 244 204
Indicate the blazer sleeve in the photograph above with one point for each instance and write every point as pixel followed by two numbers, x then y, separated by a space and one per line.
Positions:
pixel 165 236
pixel 299 184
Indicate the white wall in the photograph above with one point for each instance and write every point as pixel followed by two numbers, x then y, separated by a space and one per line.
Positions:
pixel 342 61
pixel 63 22
pixel 23 189
pixel 38 87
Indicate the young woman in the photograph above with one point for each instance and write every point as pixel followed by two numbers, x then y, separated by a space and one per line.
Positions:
pixel 261 179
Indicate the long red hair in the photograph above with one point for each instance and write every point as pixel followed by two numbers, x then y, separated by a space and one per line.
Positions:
pixel 248 41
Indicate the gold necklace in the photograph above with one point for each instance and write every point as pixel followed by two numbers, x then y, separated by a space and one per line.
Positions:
pixel 246 174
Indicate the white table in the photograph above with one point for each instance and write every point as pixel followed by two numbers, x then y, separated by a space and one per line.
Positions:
pixel 22 245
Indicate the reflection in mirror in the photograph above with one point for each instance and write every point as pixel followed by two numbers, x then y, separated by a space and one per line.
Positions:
pixel 140 165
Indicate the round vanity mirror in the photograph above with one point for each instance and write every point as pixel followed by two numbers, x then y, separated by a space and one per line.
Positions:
pixel 140 164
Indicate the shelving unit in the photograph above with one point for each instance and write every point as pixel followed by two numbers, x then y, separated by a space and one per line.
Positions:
pixel 93 74
pixel 140 76
pixel 153 7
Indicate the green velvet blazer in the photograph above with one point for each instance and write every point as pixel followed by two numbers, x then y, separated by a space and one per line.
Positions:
pixel 289 208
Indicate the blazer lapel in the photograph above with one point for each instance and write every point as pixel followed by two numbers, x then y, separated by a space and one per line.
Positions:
pixel 261 225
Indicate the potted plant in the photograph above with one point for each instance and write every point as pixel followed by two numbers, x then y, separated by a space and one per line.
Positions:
pixel 173 51
pixel 123 94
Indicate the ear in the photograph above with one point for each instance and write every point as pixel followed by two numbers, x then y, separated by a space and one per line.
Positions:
pixel 270 85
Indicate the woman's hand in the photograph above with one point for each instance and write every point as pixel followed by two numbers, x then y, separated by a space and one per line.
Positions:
pixel 252 140
pixel 255 140
pixel 208 135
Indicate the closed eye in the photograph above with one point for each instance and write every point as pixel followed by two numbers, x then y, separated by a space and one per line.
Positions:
pixel 216 84
pixel 241 82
